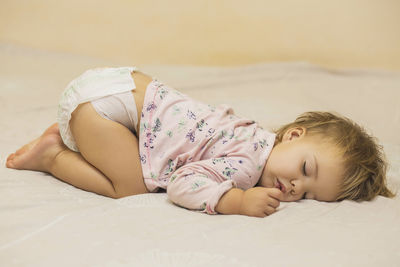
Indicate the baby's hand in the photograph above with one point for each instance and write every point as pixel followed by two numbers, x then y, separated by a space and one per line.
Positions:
pixel 260 201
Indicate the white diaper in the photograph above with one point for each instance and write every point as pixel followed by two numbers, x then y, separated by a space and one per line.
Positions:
pixel 92 85
pixel 120 108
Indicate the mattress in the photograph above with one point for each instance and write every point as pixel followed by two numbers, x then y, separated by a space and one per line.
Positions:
pixel 45 222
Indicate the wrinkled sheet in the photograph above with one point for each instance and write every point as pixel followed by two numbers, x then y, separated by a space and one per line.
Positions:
pixel 45 222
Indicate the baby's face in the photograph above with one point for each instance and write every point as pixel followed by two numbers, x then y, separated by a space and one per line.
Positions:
pixel 303 166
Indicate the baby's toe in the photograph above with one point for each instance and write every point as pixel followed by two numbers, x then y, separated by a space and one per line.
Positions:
pixel 11 156
pixel 10 164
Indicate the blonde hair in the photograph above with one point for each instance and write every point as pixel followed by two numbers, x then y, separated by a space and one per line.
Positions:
pixel 364 161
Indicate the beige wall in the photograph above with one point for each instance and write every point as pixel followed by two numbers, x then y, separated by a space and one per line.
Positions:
pixel 341 33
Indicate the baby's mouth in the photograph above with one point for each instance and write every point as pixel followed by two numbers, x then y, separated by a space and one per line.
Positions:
pixel 280 186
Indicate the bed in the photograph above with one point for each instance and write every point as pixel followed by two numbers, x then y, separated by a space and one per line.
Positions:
pixel 45 222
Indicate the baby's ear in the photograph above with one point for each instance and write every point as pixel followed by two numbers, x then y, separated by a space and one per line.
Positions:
pixel 293 133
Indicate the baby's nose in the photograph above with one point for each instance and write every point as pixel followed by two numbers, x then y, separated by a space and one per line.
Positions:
pixel 296 186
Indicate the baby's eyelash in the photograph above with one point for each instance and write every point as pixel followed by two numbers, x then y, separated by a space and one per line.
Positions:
pixel 304 169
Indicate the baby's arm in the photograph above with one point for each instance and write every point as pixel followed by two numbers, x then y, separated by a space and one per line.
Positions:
pixel 203 185
pixel 256 201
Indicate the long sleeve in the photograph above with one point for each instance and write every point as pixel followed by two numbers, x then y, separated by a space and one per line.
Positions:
pixel 200 185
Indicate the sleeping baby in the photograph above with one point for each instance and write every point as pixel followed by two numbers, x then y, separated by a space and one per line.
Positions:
pixel 120 132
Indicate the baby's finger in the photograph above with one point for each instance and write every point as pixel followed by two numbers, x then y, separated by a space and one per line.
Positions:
pixel 275 193
pixel 269 210
pixel 273 202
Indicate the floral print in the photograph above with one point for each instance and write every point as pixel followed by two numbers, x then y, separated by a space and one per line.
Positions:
pixel 196 151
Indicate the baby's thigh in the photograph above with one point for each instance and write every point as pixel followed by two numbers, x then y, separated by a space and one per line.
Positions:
pixel 110 147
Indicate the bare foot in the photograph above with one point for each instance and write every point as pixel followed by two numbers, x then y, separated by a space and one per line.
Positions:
pixel 38 154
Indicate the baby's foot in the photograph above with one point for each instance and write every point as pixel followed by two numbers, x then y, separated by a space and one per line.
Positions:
pixel 38 154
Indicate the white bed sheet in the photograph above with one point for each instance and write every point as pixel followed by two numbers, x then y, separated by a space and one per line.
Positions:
pixel 45 222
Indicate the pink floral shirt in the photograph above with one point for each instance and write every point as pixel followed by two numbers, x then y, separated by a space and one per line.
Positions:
pixel 197 152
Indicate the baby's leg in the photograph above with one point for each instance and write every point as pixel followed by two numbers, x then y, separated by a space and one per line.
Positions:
pixel 111 148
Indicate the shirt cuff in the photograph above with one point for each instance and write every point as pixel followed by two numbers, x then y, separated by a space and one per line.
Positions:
pixel 214 199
